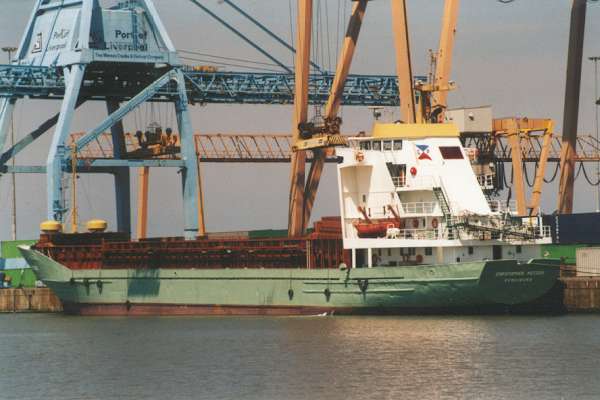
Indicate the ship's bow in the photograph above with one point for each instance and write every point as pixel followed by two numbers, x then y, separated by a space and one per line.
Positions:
pixel 54 275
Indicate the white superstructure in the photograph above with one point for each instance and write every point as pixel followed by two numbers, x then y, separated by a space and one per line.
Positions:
pixel 408 195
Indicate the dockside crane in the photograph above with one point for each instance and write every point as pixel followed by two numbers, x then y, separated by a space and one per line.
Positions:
pixel 320 140
pixel 571 108
pixel 306 136
pixel 79 57
pixel 57 77
pixel 571 104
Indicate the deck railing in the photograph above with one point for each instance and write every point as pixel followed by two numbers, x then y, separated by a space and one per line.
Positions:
pixel 421 207
pixel 413 234
pixel 486 181
pixel 501 206
pixel 423 182
pixel 399 181
pixel 546 231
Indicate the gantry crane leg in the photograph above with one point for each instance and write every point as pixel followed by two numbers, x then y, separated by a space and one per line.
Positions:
pixel 6 111
pixel 445 53
pixel 513 134
pixel 333 103
pixel 403 61
pixel 302 69
pixel 536 195
pixel 571 110
pixel 121 174
pixel 73 81
pixel 190 173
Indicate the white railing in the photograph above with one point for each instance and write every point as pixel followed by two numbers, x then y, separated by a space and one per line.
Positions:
pixel 419 207
pixel 423 182
pixel 399 181
pixel 501 206
pixel 412 234
pixel 546 231
pixel 486 181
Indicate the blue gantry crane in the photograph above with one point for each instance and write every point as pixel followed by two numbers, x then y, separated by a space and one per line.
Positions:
pixel 77 51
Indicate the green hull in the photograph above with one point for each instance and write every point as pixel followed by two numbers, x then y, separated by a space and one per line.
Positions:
pixel 295 291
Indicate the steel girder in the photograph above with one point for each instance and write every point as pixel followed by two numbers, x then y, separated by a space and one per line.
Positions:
pixel 202 87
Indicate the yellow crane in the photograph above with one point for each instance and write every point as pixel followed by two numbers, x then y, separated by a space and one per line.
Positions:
pixel 303 190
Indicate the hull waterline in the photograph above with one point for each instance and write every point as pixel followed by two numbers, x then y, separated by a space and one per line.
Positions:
pixel 464 287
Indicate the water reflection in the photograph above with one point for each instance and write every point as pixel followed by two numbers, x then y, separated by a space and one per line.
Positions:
pixel 299 358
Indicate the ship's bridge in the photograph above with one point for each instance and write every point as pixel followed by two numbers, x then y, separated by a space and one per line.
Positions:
pixel 410 187
pixel 408 163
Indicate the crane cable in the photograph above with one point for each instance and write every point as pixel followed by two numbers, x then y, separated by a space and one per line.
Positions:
pixel 553 175
pixel 527 174
pixel 587 178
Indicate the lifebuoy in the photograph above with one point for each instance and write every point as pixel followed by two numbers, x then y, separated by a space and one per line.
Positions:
pixel 415 223
pixel 434 223
pixel 359 156
pixel 413 171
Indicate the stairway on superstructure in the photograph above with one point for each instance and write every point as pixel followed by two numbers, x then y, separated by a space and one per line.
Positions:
pixel 445 207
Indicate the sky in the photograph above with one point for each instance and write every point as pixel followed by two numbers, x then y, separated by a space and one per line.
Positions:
pixel 511 56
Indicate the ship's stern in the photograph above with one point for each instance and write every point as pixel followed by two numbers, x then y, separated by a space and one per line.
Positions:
pixel 509 282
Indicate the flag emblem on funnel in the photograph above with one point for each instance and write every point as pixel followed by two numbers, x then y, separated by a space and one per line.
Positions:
pixel 423 152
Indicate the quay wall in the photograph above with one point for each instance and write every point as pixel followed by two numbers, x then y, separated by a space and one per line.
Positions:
pixel 582 294
pixel 29 300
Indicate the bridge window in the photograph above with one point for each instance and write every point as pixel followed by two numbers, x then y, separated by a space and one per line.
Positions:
pixel 366 145
pixel 397 145
pixel 387 145
pixel 428 251
pixel 377 145
pixel 451 153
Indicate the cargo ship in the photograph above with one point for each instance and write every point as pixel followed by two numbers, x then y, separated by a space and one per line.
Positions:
pixel 416 234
